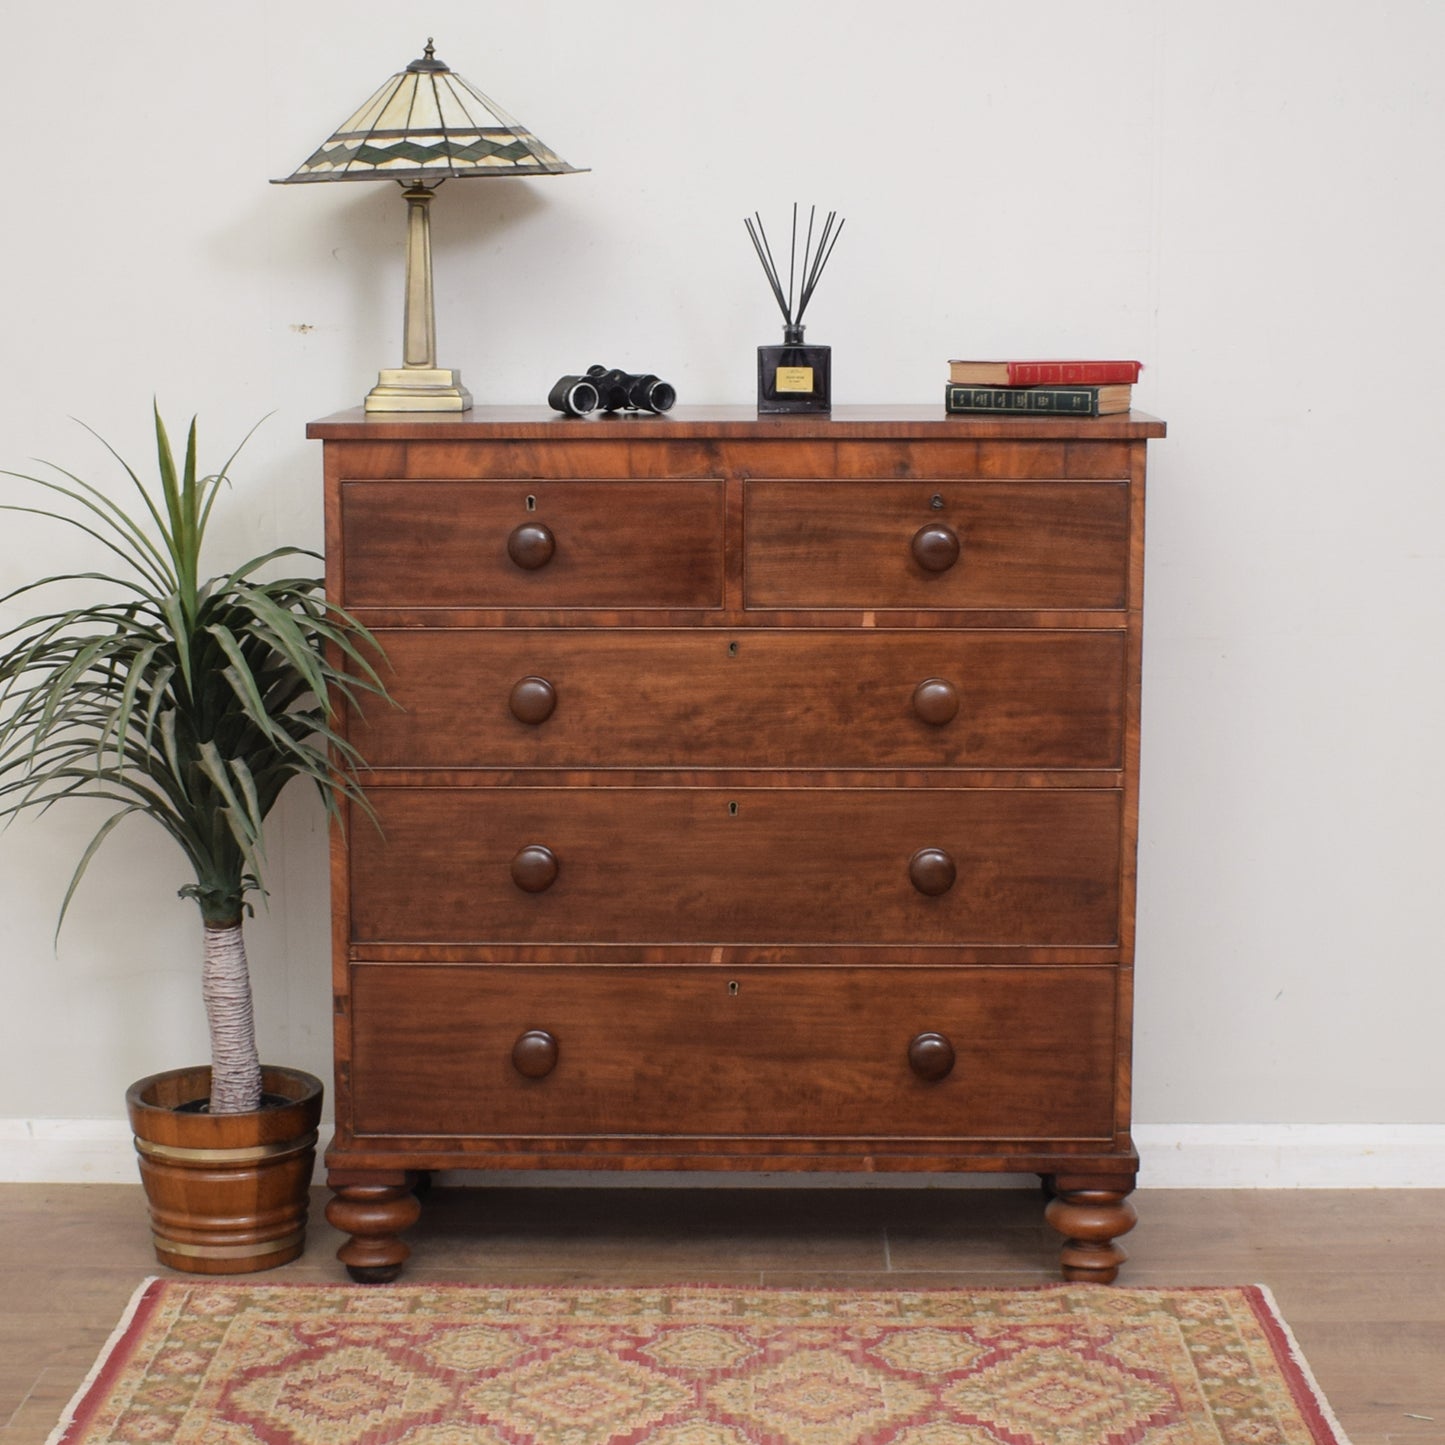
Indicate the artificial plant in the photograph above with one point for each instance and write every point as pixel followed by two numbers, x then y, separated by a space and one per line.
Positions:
pixel 191 701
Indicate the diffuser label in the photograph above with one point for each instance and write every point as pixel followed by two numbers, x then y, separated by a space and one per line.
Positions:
pixel 795 378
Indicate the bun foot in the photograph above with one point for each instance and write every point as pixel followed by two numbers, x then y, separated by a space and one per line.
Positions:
pixel 362 1274
pixel 374 1213
pixel 1091 1214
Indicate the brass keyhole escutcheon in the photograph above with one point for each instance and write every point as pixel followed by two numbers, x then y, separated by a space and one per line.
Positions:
pixel 936 501
pixel 531 504
pixel 732 810
pixel 733 987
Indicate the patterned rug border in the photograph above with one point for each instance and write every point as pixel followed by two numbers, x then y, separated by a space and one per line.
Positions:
pixel 1308 1395
pixel 1314 1408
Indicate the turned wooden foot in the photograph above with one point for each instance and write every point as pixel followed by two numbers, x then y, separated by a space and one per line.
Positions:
pixel 1091 1213
pixel 373 1212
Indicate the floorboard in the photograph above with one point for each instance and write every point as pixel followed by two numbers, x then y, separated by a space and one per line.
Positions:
pixel 1359 1275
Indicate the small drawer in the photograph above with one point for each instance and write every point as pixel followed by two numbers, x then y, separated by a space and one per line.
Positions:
pixel 559 698
pixel 943 544
pixel 523 1052
pixel 537 544
pixel 788 866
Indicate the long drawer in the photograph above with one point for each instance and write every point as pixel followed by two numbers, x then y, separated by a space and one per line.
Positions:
pixel 984 1053
pixel 947 544
pixel 585 544
pixel 750 699
pixel 747 866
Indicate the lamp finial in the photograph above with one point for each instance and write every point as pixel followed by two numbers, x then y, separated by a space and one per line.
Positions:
pixel 429 61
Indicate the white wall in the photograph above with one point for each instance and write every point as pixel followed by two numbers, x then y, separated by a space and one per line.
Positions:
pixel 1246 195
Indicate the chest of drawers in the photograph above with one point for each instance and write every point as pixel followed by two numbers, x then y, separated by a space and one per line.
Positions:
pixel 760 794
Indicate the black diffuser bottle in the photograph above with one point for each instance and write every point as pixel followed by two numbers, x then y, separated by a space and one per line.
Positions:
pixel 795 377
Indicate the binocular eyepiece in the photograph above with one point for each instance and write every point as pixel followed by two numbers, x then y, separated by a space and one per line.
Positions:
pixel 611 391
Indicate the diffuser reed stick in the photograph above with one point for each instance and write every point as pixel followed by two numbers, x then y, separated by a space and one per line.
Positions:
pixel 813 260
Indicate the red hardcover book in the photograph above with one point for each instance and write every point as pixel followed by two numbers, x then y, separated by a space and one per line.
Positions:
pixel 1043 373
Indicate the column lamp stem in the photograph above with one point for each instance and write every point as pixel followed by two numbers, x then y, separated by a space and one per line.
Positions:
pixel 420 346
pixel 419 384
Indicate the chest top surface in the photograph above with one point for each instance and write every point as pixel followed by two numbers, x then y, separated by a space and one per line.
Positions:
pixel 924 422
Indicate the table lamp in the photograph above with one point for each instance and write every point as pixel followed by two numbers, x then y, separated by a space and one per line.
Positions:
pixel 422 127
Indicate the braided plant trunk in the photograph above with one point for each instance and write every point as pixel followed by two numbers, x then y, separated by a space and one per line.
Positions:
pixel 226 989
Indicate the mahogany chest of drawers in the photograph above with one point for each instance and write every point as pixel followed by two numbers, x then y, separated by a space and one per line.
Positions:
pixel 760 794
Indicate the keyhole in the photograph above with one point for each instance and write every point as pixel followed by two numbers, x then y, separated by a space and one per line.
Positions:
pixel 531 504
pixel 733 987
pixel 732 649
pixel 732 810
pixel 936 501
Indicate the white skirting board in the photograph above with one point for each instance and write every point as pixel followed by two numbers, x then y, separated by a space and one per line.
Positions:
pixel 1175 1156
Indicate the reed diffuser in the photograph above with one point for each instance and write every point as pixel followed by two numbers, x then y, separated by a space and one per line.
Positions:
pixel 795 377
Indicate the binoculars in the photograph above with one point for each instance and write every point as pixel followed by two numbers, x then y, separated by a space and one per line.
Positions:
pixel 610 390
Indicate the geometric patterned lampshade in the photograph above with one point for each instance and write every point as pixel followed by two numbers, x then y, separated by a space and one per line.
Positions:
pixel 426 125
pixel 429 124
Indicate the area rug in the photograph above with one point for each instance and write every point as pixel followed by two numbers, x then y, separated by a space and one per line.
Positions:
pixel 200 1363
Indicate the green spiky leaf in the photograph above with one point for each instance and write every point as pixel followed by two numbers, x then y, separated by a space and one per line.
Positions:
pixel 190 701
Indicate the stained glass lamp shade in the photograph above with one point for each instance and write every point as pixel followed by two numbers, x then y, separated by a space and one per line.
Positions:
pixel 422 127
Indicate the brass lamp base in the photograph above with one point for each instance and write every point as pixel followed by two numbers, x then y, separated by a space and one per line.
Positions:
pixel 419 388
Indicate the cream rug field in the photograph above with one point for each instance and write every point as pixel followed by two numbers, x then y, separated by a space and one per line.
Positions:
pixel 200 1363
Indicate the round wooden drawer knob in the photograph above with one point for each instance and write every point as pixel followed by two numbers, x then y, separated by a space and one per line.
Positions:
pixel 534 869
pixel 533 700
pixel 531 545
pixel 931 1057
pixel 534 1055
pixel 935 547
pixel 935 701
pixel 932 871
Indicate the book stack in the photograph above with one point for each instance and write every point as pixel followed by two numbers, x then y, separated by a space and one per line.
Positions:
pixel 1064 388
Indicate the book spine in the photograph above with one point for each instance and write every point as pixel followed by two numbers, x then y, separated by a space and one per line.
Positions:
pixel 1072 373
pixel 1058 400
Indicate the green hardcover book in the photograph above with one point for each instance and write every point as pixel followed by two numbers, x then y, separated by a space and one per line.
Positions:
pixel 1035 400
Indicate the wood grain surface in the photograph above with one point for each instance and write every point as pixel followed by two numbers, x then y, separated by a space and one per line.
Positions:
pixel 678 698
pixel 759 793
pixel 814 1053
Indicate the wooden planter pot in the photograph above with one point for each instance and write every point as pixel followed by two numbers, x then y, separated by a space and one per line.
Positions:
pixel 228 1194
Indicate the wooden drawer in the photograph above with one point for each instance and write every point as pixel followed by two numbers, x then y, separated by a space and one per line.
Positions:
pixel 465 544
pixel 1020 544
pixel 695 1051
pixel 745 866
pixel 751 699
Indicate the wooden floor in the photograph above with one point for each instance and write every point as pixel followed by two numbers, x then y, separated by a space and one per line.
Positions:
pixel 1360 1275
